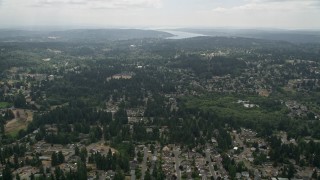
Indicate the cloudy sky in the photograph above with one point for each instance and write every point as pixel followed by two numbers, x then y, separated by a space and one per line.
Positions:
pixel 291 14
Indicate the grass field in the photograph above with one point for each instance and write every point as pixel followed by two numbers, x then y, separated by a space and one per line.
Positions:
pixel 5 105
pixel 227 107
pixel 13 127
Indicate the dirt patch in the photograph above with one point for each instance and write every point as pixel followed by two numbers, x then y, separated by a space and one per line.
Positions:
pixel 100 147
pixel 58 106
pixel 14 126
pixel 264 92
pixel 21 121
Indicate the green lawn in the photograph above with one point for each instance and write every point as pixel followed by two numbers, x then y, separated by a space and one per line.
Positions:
pixel 5 105
pixel 227 106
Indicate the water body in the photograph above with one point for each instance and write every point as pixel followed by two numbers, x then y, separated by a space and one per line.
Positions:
pixel 182 35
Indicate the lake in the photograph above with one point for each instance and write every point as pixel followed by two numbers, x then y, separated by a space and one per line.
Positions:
pixel 182 35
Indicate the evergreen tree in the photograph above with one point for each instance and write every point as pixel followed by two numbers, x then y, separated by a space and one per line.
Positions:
pixel 314 174
pixel 17 176
pixel 291 171
pixel 60 157
pixel 83 154
pixel 119 175
pixel 6 173
pixel 19 101
pixel 147 175
pixel 81 171
pixel 58 173
pixel 2 131
pixel 76 151
pixel 8 114
pixel 32 176
pixel 54 159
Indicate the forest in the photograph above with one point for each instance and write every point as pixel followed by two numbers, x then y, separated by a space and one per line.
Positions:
pixel 134 103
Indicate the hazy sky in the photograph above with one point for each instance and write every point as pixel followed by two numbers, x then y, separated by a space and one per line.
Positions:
pixel 300 14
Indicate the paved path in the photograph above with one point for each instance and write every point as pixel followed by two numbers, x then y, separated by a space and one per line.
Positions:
pixel 211 166
pixel 133 174
pixel 177 163
pixel 144 162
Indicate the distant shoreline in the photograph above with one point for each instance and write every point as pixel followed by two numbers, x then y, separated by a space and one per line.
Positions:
pixel 181 34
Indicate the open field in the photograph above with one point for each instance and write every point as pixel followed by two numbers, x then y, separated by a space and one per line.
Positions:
pixel 100 147
pixel 21 121
pixel 5 105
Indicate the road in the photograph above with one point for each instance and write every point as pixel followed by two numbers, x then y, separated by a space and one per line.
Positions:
pixel 177 163
pixel 153 163
pixel 211 166
pixel 133 174
pixel 144 162
pixel 245 151
pixel 133 171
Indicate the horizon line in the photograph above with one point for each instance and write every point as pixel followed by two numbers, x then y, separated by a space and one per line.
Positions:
pixel 74 27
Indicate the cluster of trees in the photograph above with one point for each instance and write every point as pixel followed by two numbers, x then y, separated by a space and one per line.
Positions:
pixel 156 107
pixel 194 128
pixel 304 153
pixel 288 171
pixel 217 66
pixel 76 111
pixel 18 149
pixel 57 158
pixel 161 74
pixel 19 101
pixel 12 57
pixel 157 172
pixel 224 139
pixel 231 166
pixel 8 115
pixel 110 161
pixel 56 174
pixel 6 173
pixel 10 157
pixel 140 133
pixel 60 138
pixel 93 78
pixel 2 123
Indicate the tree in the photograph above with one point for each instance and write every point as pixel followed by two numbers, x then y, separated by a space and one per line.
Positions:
pixel 83 154
pixel 138 173
pixel 184 175
pixel 195 173
pixel 131 149
pixel 314 174
pixel 60 157
pixel 17 176
pixel 140 156
pixel 16 161
pixel 81 171
pixel 121 116
pixel 58 173
pixel 147 175
pixel 76 151
pixel 6 173
pixel 97 176
pixel 8 114
pixel 54 159
pixel 152 148
pixel 291 171
pixel 19 101
pixel 215 167
pixel 232 171
pixel 119 175
pixel 157 173
pixel 32 176
pixel 2 131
